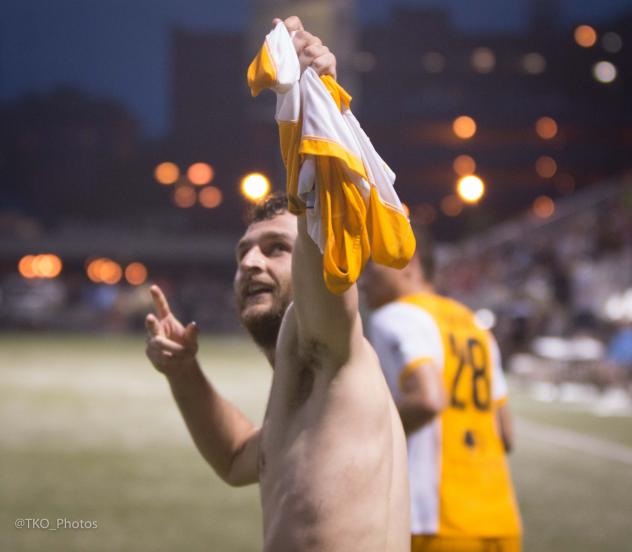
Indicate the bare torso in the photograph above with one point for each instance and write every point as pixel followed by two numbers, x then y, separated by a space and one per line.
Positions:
pixel 332 458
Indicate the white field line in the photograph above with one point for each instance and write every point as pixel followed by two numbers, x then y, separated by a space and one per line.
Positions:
pixel 575 441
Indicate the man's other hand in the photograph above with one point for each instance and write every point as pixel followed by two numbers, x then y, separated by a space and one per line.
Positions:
pixel 309 48
pixel 171 347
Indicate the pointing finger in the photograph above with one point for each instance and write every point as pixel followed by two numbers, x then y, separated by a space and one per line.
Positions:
pixel 160 302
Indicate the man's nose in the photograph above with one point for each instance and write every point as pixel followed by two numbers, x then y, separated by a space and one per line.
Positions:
pixel 253 260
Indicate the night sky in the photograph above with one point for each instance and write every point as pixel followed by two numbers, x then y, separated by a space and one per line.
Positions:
pixel 119 48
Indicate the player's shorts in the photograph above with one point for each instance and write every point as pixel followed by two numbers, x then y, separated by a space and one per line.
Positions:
pixel 430 543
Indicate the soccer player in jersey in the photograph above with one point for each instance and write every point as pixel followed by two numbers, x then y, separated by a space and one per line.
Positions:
pixel 330 457
pixel 445 375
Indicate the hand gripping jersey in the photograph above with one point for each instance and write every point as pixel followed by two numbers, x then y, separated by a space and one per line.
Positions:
pixel 459 479
pixel 333 172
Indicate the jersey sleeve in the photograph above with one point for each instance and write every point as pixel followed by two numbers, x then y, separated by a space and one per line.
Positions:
pixel 499 383
pixel 405 337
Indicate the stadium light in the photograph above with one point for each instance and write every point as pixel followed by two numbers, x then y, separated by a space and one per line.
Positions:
pixel 184 197
pixel 585 36
pixel 545 166
pixel 464 127
pixel 255 186
pixel 200 174
pixel 604 72
pixel 40 266
pixel 451 206
pixel 546 128
pixel 167 173
pixel 543 207
pixel 470 188
pixel 210 197
pixel 136 273
pixel 464 165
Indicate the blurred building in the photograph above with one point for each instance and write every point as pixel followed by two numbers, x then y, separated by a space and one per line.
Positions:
pixel 545 124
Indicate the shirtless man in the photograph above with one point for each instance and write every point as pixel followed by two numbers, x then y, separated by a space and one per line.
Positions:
pixel 330 456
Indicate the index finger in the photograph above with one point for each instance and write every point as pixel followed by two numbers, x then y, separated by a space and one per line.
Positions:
pixel 293 23
pixel 160 302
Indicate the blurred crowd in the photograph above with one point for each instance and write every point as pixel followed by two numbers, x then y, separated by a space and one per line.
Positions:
pixel 568 279
pixel 561 289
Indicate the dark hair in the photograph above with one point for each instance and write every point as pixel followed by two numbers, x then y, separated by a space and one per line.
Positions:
pixel 425 252
pixel 269 207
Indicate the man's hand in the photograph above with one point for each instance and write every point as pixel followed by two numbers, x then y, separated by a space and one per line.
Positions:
pixel 309 48
pixel 171 347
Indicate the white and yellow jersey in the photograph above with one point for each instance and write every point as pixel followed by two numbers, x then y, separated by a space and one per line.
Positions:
pixel 459 479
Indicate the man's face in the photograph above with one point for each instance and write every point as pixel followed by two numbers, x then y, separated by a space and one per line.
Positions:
pixel 380 284
pixel 263 281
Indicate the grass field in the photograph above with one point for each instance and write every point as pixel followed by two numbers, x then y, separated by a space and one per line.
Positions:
pixel 90 432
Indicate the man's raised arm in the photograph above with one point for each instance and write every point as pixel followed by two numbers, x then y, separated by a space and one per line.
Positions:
pixel 227 440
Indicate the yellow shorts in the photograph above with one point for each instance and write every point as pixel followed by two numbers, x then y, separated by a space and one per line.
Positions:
pixel 429 543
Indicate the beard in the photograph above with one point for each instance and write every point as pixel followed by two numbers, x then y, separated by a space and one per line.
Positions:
pixel 264 325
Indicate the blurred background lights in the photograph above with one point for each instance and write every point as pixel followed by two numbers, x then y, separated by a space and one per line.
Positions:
pixel 464 164
pixel 451 206
pixel 485 319
pixel 210 197
pixel 184 197
pixel 104 270
pixel 464 127
pixel 483 60
pixel 40 266
pixel 200 174
pixel 611 42
pixel 543 207
pixel 255 186
pixel 135 273
pixel 167 173
pixel 604 71
pixel 585 36
pixel 470 188
pixel 433 62
pixel 546 128
pixel 545 166
pixel 406 210
pixel 534 63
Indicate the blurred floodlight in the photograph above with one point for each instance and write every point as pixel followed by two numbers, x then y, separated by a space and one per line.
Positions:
pixel 40 266
pixel 543 207
pixel 463 165
pixel 534 63
pixel 110 272
pixel 364 62
pixel 47 266
pixel 464 127
pixel 470 188
pixel 104 271
pixel 451 205
pixel 545 166
pixel 433 62
pixel 483 60
pixel 585 36
pixel 136 273
pixel 255 186
pixel 210 197
pixel 167 173
pixel 200 174
pixel 184 197
pixel 25 266
pixel 612 42
pixel 546 128
pixel 604 71
pixel 485 319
